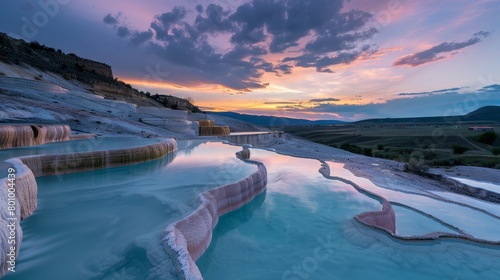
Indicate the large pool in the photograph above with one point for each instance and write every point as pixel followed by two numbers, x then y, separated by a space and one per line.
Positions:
pixel 107 224
pixel 304 229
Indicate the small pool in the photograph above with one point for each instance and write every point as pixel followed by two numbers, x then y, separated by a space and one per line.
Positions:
pixel 304 229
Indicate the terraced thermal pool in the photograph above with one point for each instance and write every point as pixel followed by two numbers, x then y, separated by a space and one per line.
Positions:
pixel 76 146
pixel 107 224
pixel 304 229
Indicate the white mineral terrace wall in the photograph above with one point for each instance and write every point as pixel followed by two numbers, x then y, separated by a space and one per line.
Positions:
pixel 24 193
pixel 162 113
pixel 190 237
pixel 214 130
pixel 19 83
pixel 100 104
pixel 186 127
pixel 197 116
pixel 10 228
pixel 384 219
pixel 44 165
pixel 29 135
pixel 208 128
pixel 257 139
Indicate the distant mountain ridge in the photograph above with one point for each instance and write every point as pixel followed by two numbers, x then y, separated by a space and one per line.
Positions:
pixel 484 115
pixel 272 121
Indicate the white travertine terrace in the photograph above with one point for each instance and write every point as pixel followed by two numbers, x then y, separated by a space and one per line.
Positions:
pixel 162 113
pixel 190 237
pixel 243 154
pixel 43 165
pixel 12 136
pixel 26 188
pixel 182 126
pixel 5 230
pixel 208 128
pixel 14 83
pixel 384 219
pixel 258 139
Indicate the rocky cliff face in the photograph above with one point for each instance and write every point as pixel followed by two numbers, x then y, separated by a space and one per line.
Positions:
pixel 15 51
pixel 93 73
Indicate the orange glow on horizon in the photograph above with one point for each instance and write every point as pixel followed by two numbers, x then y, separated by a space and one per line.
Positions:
pixel 167 85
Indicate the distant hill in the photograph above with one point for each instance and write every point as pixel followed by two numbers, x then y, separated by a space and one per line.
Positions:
pixel 483 115
pixel 272 121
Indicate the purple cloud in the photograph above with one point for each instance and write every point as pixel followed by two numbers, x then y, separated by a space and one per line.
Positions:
pixel 319 100
pixel 109 19
pixel 438 52
pixel 255 28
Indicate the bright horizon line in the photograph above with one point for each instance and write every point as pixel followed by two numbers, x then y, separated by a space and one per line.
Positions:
pixel 260 108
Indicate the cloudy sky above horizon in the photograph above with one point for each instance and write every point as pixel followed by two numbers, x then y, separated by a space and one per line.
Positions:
pixel 316 59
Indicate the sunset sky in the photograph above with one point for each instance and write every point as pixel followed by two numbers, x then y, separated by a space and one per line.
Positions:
pixel 316 59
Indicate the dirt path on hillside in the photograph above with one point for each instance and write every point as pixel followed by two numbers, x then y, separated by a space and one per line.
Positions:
pixel 466 140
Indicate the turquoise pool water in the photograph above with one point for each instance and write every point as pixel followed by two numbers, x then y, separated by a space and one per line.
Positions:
pixel 473 221
pixel 304 229
pixel 107 224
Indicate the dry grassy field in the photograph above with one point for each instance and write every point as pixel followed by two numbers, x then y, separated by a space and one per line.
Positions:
pixel 400 141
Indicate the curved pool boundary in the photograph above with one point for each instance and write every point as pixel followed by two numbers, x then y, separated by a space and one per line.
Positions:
pixel 22 194
pixel 379 220
pixel 188 238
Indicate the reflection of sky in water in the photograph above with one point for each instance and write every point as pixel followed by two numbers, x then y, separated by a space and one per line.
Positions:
pixel 470 220
pixel 305 225
pixel 90 225
pixel 409 222
pixel 106 224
